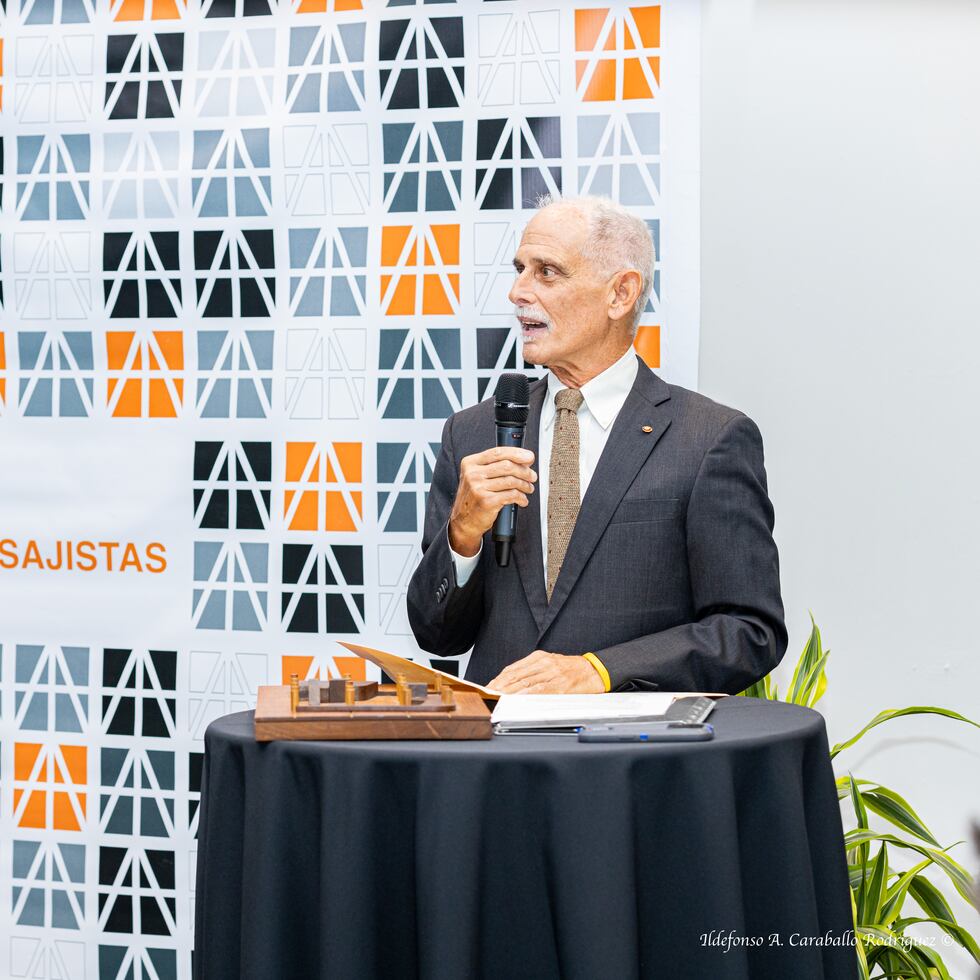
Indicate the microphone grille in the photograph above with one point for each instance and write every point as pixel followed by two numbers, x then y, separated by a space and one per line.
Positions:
pixel 511 398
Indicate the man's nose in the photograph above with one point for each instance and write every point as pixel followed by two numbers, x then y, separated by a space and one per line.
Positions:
pixel 519 293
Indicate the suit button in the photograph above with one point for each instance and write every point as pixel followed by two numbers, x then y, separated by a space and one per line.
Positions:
pixel 440 595
pixel 444 584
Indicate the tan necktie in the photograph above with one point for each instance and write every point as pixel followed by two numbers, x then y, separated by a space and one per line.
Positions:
pixel 563 484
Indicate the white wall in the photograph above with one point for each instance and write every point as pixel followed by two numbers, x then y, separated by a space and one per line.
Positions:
pixel 840 282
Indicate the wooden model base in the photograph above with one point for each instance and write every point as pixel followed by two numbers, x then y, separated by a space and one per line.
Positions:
pixel 381 717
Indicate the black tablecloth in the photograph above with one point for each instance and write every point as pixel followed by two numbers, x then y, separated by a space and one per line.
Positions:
pixel 525 857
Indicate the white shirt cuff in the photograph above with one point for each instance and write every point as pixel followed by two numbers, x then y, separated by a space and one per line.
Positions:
pixel 464 563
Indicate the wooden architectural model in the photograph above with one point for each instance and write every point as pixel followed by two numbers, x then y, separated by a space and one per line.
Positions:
pixel 342 708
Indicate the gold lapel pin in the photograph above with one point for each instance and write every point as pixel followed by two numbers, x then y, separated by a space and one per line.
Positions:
pixel 646 428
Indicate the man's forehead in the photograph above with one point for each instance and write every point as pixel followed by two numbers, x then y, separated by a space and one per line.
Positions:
pixel 546 238
pixel 543 249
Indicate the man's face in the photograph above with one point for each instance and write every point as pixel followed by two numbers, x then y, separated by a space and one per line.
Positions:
pixel 562 303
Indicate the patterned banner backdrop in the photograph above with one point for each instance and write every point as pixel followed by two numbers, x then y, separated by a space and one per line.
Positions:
pixel 252 253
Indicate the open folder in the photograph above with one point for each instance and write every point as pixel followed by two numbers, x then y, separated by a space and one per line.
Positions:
pixel 394 665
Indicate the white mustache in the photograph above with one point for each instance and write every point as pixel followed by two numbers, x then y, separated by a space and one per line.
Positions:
pixel 533 313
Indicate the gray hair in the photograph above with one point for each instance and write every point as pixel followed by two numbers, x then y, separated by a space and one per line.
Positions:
pixel 618 240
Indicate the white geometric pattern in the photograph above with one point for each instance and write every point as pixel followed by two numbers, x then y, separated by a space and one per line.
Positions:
pixel 252 254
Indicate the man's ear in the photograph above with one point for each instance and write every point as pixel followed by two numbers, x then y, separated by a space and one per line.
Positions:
pixel 626 288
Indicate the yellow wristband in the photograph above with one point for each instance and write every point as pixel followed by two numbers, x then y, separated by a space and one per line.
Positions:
pixel 600 669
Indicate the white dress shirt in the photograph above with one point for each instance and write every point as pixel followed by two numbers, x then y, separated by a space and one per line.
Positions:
pixel 603 397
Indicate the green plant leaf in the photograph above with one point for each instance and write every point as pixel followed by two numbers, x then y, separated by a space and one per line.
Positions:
pixel 844 785
pixel 864 969
pixel 812 652
pixel 952 929
pixel 932 960
pixel 958 875
pixel 811 682
pixel 888 804
pixel 931 899
pixel 857 801
pixel 892 966
pixel 877 881
pixel 895 896
pixel 893 943
pixel 896 810
pixel 821 685
pixel 878 957
pixel 890 713
pixel 763 689
pixel 756 690
pixel 864 849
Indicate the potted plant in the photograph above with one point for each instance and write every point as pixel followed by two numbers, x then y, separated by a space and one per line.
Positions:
pixel 882 892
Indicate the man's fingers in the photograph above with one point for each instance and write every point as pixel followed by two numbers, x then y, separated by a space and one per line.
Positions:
pixel 523 457
pixel 532 663
pixel 514 674
pixel 508 483
pixel 539 687
pixel 489 481
pixel 514 677
pixel 531 658
pixel 542 682
pixel 557 679
pixel 522 676
pixel 548 673
pixel 506 467
pixel 523 672
pixel 520 685
pixel 491 501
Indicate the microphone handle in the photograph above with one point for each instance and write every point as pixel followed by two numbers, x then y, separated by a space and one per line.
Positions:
pixel 505 525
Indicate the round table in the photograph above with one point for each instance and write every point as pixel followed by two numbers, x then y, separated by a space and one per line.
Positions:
pixel 525 856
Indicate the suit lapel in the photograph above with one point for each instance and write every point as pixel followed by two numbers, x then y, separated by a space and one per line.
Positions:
pixel 527 544
pixel 626 450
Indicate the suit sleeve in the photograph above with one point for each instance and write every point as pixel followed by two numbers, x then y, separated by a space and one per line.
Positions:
pixel 738 634
pixel 444 613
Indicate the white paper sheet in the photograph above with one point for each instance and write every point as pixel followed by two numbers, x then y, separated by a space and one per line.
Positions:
pixel 519 710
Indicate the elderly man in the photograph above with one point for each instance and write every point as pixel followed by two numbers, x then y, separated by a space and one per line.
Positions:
pixel 644 556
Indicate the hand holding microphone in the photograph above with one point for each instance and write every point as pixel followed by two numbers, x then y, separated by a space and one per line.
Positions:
pixel 492 484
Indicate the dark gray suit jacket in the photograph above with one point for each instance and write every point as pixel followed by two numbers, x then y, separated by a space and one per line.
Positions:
pixel 671 576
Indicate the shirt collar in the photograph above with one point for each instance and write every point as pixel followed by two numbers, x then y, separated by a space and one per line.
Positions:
pixel 603 395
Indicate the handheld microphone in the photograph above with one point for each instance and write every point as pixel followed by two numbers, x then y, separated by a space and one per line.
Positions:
pixel 510 408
